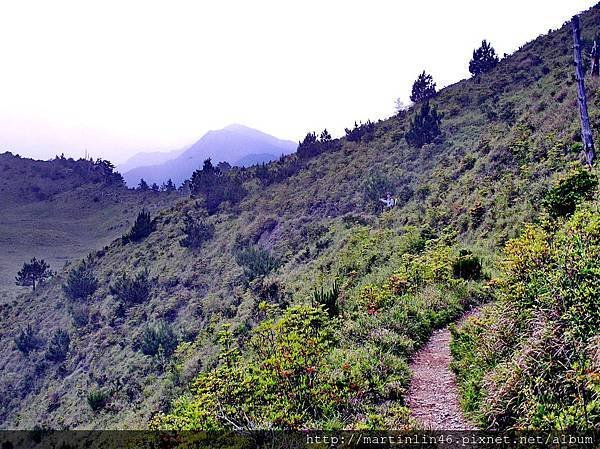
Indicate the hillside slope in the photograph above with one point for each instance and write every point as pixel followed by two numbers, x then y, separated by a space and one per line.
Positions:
pixel 59 210
pixel 306 224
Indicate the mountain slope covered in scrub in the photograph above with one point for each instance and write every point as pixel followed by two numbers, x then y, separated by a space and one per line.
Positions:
pixel 293 279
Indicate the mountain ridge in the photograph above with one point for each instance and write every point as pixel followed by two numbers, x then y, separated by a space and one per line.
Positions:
pixel 234 144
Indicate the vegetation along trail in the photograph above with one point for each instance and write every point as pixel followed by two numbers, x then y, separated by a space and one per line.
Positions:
pixel 433 393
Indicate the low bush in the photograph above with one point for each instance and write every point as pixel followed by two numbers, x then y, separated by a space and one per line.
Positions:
pixel 196 232
pixel 81 283
pixel 314 367
pixel 562 199
pixel 133 290
pixel 27 340
pixel 80 315
pixel 531 360
pixel 256 262
pixel 467 266
pixel 58 347
pixel 157 337
pixel 97 399
pixel 142 228
pixel 328 299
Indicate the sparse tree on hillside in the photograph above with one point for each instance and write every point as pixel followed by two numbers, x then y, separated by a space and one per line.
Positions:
pixel 134 290
pixel 81 283
pixel 423 88
pixel 143 185
pixel 400 106
pixel 363 132
pixel 58 346
pixel 143 226
pixel 33 273
pixel 484 59
pixel 196 233
pixel 216 186
pixel 309 147
pixel 155 187
pixel 424 127
pixel 169 186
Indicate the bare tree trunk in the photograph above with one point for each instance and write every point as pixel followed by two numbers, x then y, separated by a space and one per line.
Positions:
pixel 595 69
pixel 586 132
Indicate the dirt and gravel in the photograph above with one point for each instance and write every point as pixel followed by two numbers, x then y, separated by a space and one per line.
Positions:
pixel 433 393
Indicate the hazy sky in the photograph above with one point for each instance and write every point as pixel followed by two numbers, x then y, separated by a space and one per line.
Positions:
pixel 118 77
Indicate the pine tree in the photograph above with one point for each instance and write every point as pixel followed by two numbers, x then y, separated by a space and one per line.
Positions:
pixel 58 346
pixel 309 147
pixel 423 88
pixel 155 187
pixel 81 283
pixel 424 127
pixel 143 185
pixel 484 59
pixel 33 273
pixel 196 233
pixel 143 226
pixel 169 186
pixel 133 290
pixel 216 186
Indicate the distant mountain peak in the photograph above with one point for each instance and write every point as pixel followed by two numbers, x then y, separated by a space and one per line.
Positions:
pixel 236 144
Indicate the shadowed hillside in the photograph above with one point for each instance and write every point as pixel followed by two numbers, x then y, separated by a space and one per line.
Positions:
pixel 294 275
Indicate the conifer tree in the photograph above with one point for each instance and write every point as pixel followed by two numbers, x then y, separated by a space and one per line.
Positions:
pixel 424 127
pixel 143 226
pixel 484 59
pixel 33 273
pixel 423 88
pixel 81 282
pixel 143 185
pixel 169 186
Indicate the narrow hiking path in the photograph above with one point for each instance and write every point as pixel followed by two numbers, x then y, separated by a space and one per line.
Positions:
pixel 433 393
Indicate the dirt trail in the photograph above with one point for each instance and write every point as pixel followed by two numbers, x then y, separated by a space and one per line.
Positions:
pixel 433 394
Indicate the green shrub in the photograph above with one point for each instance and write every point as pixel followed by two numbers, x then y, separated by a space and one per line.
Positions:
pixel 81 283
pixel 467 266
pixel 134 290
pixel 97 399
pixel 424 126
pixel 80 315
pixel 156 337
pixel 196 233
pixel 284 383
pixel 256 262
pixel 313 367
pixel 562 199
pixel 58 347
pixel 328 299
pixel 142 228
pixel 529 362
pixel 27 340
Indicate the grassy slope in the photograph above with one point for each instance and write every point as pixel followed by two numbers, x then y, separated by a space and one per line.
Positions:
pixel 506 136
pixel 66 227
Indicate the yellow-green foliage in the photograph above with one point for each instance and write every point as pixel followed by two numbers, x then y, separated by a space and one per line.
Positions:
pixel 307 369
pixel 532 360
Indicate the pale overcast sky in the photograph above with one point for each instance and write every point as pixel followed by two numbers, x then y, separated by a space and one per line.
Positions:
pixel 118 77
